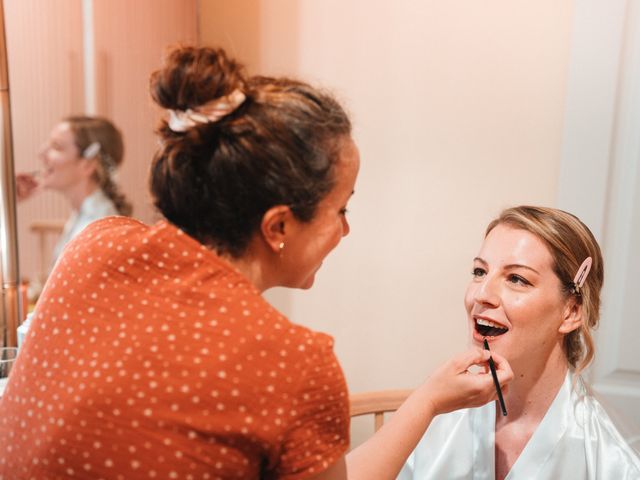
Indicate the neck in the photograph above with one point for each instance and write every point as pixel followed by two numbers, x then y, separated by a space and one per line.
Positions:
pixel 77 193
pixel 533 388
pixel 250 269
pixel 528 398
pixel 256 265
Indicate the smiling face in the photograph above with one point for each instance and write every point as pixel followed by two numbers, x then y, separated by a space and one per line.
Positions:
pixel 63 167
pixel 515 299
pixel 308 243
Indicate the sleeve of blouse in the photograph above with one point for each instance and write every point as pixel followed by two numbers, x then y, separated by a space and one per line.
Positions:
pixel 319 435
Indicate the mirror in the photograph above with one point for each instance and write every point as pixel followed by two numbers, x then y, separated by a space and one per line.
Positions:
pixel 85 57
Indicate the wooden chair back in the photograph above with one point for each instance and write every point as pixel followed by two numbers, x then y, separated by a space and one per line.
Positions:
pixel 47 232
pixel 377 404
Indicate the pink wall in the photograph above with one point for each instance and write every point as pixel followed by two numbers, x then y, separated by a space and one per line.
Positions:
pixel 458 111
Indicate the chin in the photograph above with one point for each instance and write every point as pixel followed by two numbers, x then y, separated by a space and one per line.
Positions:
pixel 307 285
pixel 47 183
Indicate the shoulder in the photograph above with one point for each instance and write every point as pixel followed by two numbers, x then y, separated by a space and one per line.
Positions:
pixel 299 346
pixel 311 352
pixel 101 238
pixel 601 434
pixel 111 227
pixel 439 452
pixel 457 423
pixel 97 205
pixel 317 434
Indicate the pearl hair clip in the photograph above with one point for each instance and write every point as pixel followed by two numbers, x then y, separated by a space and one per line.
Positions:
pixel 92 150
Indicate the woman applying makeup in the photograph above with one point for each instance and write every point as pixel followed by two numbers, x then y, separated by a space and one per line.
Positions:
pixel 535 296
pixel 152 352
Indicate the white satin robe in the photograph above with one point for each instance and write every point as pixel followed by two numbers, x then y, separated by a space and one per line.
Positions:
pixel 575 440
pixel 94 207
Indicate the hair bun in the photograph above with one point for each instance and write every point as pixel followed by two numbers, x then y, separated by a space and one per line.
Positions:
pixel 193 76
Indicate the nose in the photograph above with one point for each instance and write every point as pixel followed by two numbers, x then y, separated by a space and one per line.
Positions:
pixel 345 226
pixel 487 292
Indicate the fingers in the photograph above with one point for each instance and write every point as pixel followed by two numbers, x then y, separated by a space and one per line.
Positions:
pixel 477 356
pixel 26 179
pixel 503 369
pixel 473 356
pixel 454 385
pixel 26 184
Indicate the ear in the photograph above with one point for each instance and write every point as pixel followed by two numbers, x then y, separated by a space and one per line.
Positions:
pixel 89 166
pixel 274 226
pixel 572 316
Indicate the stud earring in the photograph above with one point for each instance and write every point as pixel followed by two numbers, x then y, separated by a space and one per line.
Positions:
pixel 281 246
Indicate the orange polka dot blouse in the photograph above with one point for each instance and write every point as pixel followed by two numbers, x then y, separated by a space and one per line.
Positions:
pixel 150 357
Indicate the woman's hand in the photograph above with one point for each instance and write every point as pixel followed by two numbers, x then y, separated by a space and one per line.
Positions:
pixel 26 185
pixel 449 388
pixel 453 386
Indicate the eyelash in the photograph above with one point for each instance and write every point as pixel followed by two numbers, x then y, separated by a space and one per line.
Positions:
pixel 513 278
pixel 518 279
pixel 344 211
pixel 478 272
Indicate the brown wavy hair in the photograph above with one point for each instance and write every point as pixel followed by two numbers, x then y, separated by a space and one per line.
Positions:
pixel 87 130
pixel 216 180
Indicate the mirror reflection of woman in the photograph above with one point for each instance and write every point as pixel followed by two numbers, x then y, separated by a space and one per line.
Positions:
pixel 79 160
pixel 526 298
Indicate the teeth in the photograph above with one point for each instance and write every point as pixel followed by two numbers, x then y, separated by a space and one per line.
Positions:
pixel 489 323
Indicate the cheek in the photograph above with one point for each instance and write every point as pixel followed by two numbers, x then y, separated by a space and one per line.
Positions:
pixel 332 235
pixel 517 307
pixel 536 314
pixel 517 301
pixel 57 161
pixel 49 158
pixel 468 298
pixel 339 232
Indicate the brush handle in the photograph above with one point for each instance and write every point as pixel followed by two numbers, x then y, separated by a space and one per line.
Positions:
pixel 494 375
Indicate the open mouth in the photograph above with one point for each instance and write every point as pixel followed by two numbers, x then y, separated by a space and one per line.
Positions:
pixel 487 328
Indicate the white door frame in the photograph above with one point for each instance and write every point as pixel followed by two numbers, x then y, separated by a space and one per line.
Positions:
pixel 599 170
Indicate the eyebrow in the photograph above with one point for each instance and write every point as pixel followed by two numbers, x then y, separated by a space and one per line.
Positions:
pixel 482 261
pixel 508 267
pixel 517 265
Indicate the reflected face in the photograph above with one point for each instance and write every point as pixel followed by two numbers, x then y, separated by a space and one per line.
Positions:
pixel 63 167
pixel 515 299
pixel 308 244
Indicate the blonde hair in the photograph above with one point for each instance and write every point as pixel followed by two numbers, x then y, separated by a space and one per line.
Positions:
pixel 87 130
pixel 569 241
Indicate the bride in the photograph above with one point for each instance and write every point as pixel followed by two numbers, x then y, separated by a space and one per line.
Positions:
pixel 535 296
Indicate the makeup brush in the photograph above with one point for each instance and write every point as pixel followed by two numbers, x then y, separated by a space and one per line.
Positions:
pixel 492 367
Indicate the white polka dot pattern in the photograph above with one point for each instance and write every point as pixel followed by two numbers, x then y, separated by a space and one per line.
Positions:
pixel 150 357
